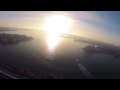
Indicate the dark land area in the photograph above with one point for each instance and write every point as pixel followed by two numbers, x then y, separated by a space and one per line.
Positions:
pixel 114 51
pixel 32 74
pixel 96 46
pixel 13 38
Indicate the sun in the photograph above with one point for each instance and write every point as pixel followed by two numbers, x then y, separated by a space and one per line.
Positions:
pixel 57 24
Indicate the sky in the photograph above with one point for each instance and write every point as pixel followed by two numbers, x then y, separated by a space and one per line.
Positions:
pixel 99 25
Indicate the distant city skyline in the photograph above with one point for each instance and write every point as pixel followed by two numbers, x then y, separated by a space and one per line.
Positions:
pixel 99 25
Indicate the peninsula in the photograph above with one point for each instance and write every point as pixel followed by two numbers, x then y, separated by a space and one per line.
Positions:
pixel 13 38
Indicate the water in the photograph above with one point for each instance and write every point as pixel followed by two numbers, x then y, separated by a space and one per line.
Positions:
pixel 47 54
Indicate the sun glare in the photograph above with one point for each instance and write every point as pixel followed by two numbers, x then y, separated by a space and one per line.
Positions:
pixel 58 24
pixel 53 26
pixel 52 41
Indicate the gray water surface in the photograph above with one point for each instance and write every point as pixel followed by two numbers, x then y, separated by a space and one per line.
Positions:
pixel 60 59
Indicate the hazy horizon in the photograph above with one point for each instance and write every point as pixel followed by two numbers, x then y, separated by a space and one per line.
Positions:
pixel 98 25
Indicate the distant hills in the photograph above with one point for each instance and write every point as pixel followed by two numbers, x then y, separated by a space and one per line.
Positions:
pixel 14 29
pixel 7 29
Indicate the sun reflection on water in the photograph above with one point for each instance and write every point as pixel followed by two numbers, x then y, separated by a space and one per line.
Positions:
pixel 52 39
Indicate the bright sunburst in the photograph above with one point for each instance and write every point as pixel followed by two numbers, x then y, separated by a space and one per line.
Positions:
pixel 54 25
pixel 58 24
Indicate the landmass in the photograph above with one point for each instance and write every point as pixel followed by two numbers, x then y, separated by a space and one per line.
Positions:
pixel 114 51
pixel 13 38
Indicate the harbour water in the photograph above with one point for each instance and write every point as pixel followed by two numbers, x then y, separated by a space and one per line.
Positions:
pixel 58 55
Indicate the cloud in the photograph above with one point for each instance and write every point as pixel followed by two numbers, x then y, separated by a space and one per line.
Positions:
pixel 89 16
pixel 83 25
